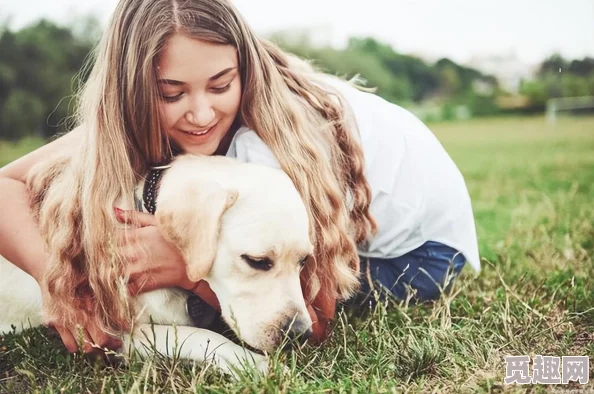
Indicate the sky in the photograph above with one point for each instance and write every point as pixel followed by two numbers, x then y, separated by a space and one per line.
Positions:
pixel 458 29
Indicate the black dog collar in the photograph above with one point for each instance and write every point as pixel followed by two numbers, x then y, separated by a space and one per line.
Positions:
pixel 151 188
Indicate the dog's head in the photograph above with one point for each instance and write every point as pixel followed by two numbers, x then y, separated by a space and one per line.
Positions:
pixel 244 229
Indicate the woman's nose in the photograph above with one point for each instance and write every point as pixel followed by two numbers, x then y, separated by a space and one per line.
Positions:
pixel 201 114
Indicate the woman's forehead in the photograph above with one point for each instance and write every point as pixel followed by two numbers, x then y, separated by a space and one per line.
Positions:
pixel 191 60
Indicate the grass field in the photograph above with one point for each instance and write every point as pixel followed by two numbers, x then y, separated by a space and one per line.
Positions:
pixel 532 187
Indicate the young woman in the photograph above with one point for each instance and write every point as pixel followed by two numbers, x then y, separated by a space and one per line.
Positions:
pixel 191 76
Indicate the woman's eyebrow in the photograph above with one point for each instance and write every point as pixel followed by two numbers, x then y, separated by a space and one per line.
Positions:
pixel 220 74
pixel 170 82
pixel 213 78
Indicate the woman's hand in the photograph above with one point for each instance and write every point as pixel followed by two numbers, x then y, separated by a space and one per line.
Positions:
pixel 322 312
pixel 89 336
pixel 154 262
pixel 86 336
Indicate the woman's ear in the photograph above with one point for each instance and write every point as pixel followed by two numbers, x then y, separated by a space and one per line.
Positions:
pixel 191 219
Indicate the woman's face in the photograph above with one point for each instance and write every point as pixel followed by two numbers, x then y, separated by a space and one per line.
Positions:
pixel 200 91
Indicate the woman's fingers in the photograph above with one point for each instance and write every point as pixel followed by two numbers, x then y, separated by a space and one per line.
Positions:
pixel 153 262
pixel 132 255
pixel 142 283
pixel 84 340
pixel 134 245
pixel 204 291
pixel 139 219
pixel 67 338
pixel 90 340
pixel 101 339
pixel 75 339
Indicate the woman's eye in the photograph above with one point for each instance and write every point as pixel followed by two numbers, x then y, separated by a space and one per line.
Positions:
pixel 221 89
pixel 261 264
pixel 171 99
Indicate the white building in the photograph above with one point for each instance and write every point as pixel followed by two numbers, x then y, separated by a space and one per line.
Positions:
pixel 507 68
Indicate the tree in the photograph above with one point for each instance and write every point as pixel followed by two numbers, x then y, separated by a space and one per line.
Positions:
pixel 553 65
pixel 582 68
pixel 20 115
pixel 410 68
pixel 38 71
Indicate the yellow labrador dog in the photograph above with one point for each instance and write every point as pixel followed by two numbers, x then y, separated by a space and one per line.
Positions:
pixel 241 227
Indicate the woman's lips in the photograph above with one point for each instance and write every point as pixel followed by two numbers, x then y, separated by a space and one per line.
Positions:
pixel 199 133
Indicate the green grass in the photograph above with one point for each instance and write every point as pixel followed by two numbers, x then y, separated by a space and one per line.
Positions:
pixel 532 187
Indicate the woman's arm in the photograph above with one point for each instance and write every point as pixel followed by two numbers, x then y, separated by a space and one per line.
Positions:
pixel 20 240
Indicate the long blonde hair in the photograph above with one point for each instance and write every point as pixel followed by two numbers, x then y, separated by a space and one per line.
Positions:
pixel 306 129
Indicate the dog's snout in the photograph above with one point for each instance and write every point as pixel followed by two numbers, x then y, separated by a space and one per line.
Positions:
pixel 297 330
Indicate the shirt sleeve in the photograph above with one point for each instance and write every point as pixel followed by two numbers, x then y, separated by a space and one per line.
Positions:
pixel 248 147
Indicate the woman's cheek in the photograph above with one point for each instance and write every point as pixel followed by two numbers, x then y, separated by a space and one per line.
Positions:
pixel 171 114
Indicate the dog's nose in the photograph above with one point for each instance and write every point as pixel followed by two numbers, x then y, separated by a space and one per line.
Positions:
pixel 297 330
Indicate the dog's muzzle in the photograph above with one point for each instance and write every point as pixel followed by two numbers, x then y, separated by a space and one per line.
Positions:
pixel 297 330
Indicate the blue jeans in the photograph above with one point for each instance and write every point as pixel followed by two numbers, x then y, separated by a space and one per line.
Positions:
pixel 423 273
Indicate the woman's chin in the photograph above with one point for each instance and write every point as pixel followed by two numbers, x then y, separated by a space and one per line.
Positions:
pixel 207 148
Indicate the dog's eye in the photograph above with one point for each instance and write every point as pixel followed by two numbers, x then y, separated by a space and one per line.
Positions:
pixel 262 264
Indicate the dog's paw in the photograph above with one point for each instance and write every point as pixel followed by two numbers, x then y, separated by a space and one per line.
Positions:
pixel 261 364
pixel 243 362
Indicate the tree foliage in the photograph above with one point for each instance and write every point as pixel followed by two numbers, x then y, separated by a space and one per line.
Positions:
pixel 39 69
pixel 40 72
pixel 559 77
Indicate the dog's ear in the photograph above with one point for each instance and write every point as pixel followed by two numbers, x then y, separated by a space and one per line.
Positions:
pixel 191 219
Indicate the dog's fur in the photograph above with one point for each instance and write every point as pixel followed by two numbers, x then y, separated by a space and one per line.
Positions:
pixel 219 213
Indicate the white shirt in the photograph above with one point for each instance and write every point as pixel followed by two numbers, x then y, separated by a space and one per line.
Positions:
pixel 418 193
